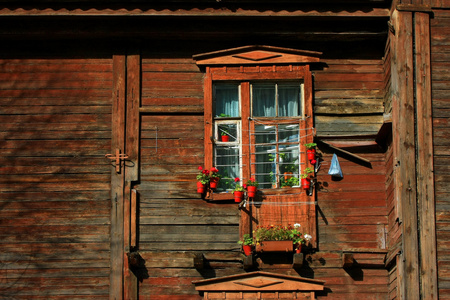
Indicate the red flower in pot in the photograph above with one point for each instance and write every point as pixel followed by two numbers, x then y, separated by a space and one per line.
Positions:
pixel 247 243
pixel 203 180
pixel 214 178
pixel 311 151
pixel 252 186
pixel 238 191
pixel 306 182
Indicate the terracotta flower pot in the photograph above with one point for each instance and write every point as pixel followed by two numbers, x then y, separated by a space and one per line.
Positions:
pixel 238 195
pixel 200 187
pixel 306 183
pixel 287 175
pixel 275 246
pixel 311 154
pixel 251 191
pixel 225 138
pixel 213 182
pixel 247 249
pixel 298 248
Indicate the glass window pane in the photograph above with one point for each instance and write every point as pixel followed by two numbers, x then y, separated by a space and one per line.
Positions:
pixel 227 161
pixel 277 155
pixel 288 100
pixel 263 100
pixel 226 100
pixel 266 171
pixel 265 134
pixel 227 132
pixel 289 133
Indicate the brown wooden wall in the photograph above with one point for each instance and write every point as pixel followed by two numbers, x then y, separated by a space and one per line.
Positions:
pixel 440 58
pixel 57 111
pixel 352 219
pixel 348 97
pixel 175 223
pixel 54 179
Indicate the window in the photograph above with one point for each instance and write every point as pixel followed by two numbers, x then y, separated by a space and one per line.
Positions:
pixel 258 117
pixel 275 116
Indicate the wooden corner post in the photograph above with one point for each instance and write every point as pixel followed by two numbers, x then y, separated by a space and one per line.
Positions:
pixel 412 142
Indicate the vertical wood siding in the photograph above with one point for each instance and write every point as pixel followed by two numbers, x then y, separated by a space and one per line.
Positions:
pixel 54 179
pixel 440 59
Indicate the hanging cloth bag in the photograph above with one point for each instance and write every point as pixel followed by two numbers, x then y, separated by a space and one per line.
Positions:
pixel 335 168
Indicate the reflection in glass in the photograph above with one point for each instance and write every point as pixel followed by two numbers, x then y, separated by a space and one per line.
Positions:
pixel 227 161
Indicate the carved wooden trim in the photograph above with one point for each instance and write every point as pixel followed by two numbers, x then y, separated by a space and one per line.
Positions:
pixel 257 55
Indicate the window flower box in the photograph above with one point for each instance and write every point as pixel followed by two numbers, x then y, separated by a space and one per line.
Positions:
pixel 275 246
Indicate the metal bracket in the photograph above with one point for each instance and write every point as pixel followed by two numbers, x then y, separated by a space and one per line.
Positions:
pixel 118 158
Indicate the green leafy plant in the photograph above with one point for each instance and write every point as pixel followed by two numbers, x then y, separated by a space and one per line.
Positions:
pixel 306 173
pixel 280 233
pixel 292 181
pixel 310 145
pixel 247 240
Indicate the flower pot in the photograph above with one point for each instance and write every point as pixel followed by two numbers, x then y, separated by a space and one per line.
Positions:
pixel 251 191
pixel 200 187
pixel 275 246
pixel 287 175
pixel 306 183
pixel 247 249
pixel 298 248
pixel 213 182
pixel 225 138
pixel 238 195
pixel 311 154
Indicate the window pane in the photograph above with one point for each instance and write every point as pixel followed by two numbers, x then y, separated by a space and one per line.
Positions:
pixel 289 133
pixel 263 99
pixel 265 134
pixel 227 132
pixel 289 165
pixel 288 100
pixel 226 100
pixel 266 171
pixel 277 155
pixel 227 161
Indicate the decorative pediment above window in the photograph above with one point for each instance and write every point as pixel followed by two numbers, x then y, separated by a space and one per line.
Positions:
pixel 261 285
pixel 257 55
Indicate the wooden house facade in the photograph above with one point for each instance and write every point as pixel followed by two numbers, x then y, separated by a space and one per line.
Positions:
pixel 108 108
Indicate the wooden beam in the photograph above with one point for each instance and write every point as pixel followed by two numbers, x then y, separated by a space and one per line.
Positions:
pixel 415 8
pixel 404 150
pixel 345 152
pixel 199 261
pixel 347 260
pixel 131 166
pixel 117 179
pixel 424 162
pixel 297 260
pixel 248 262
